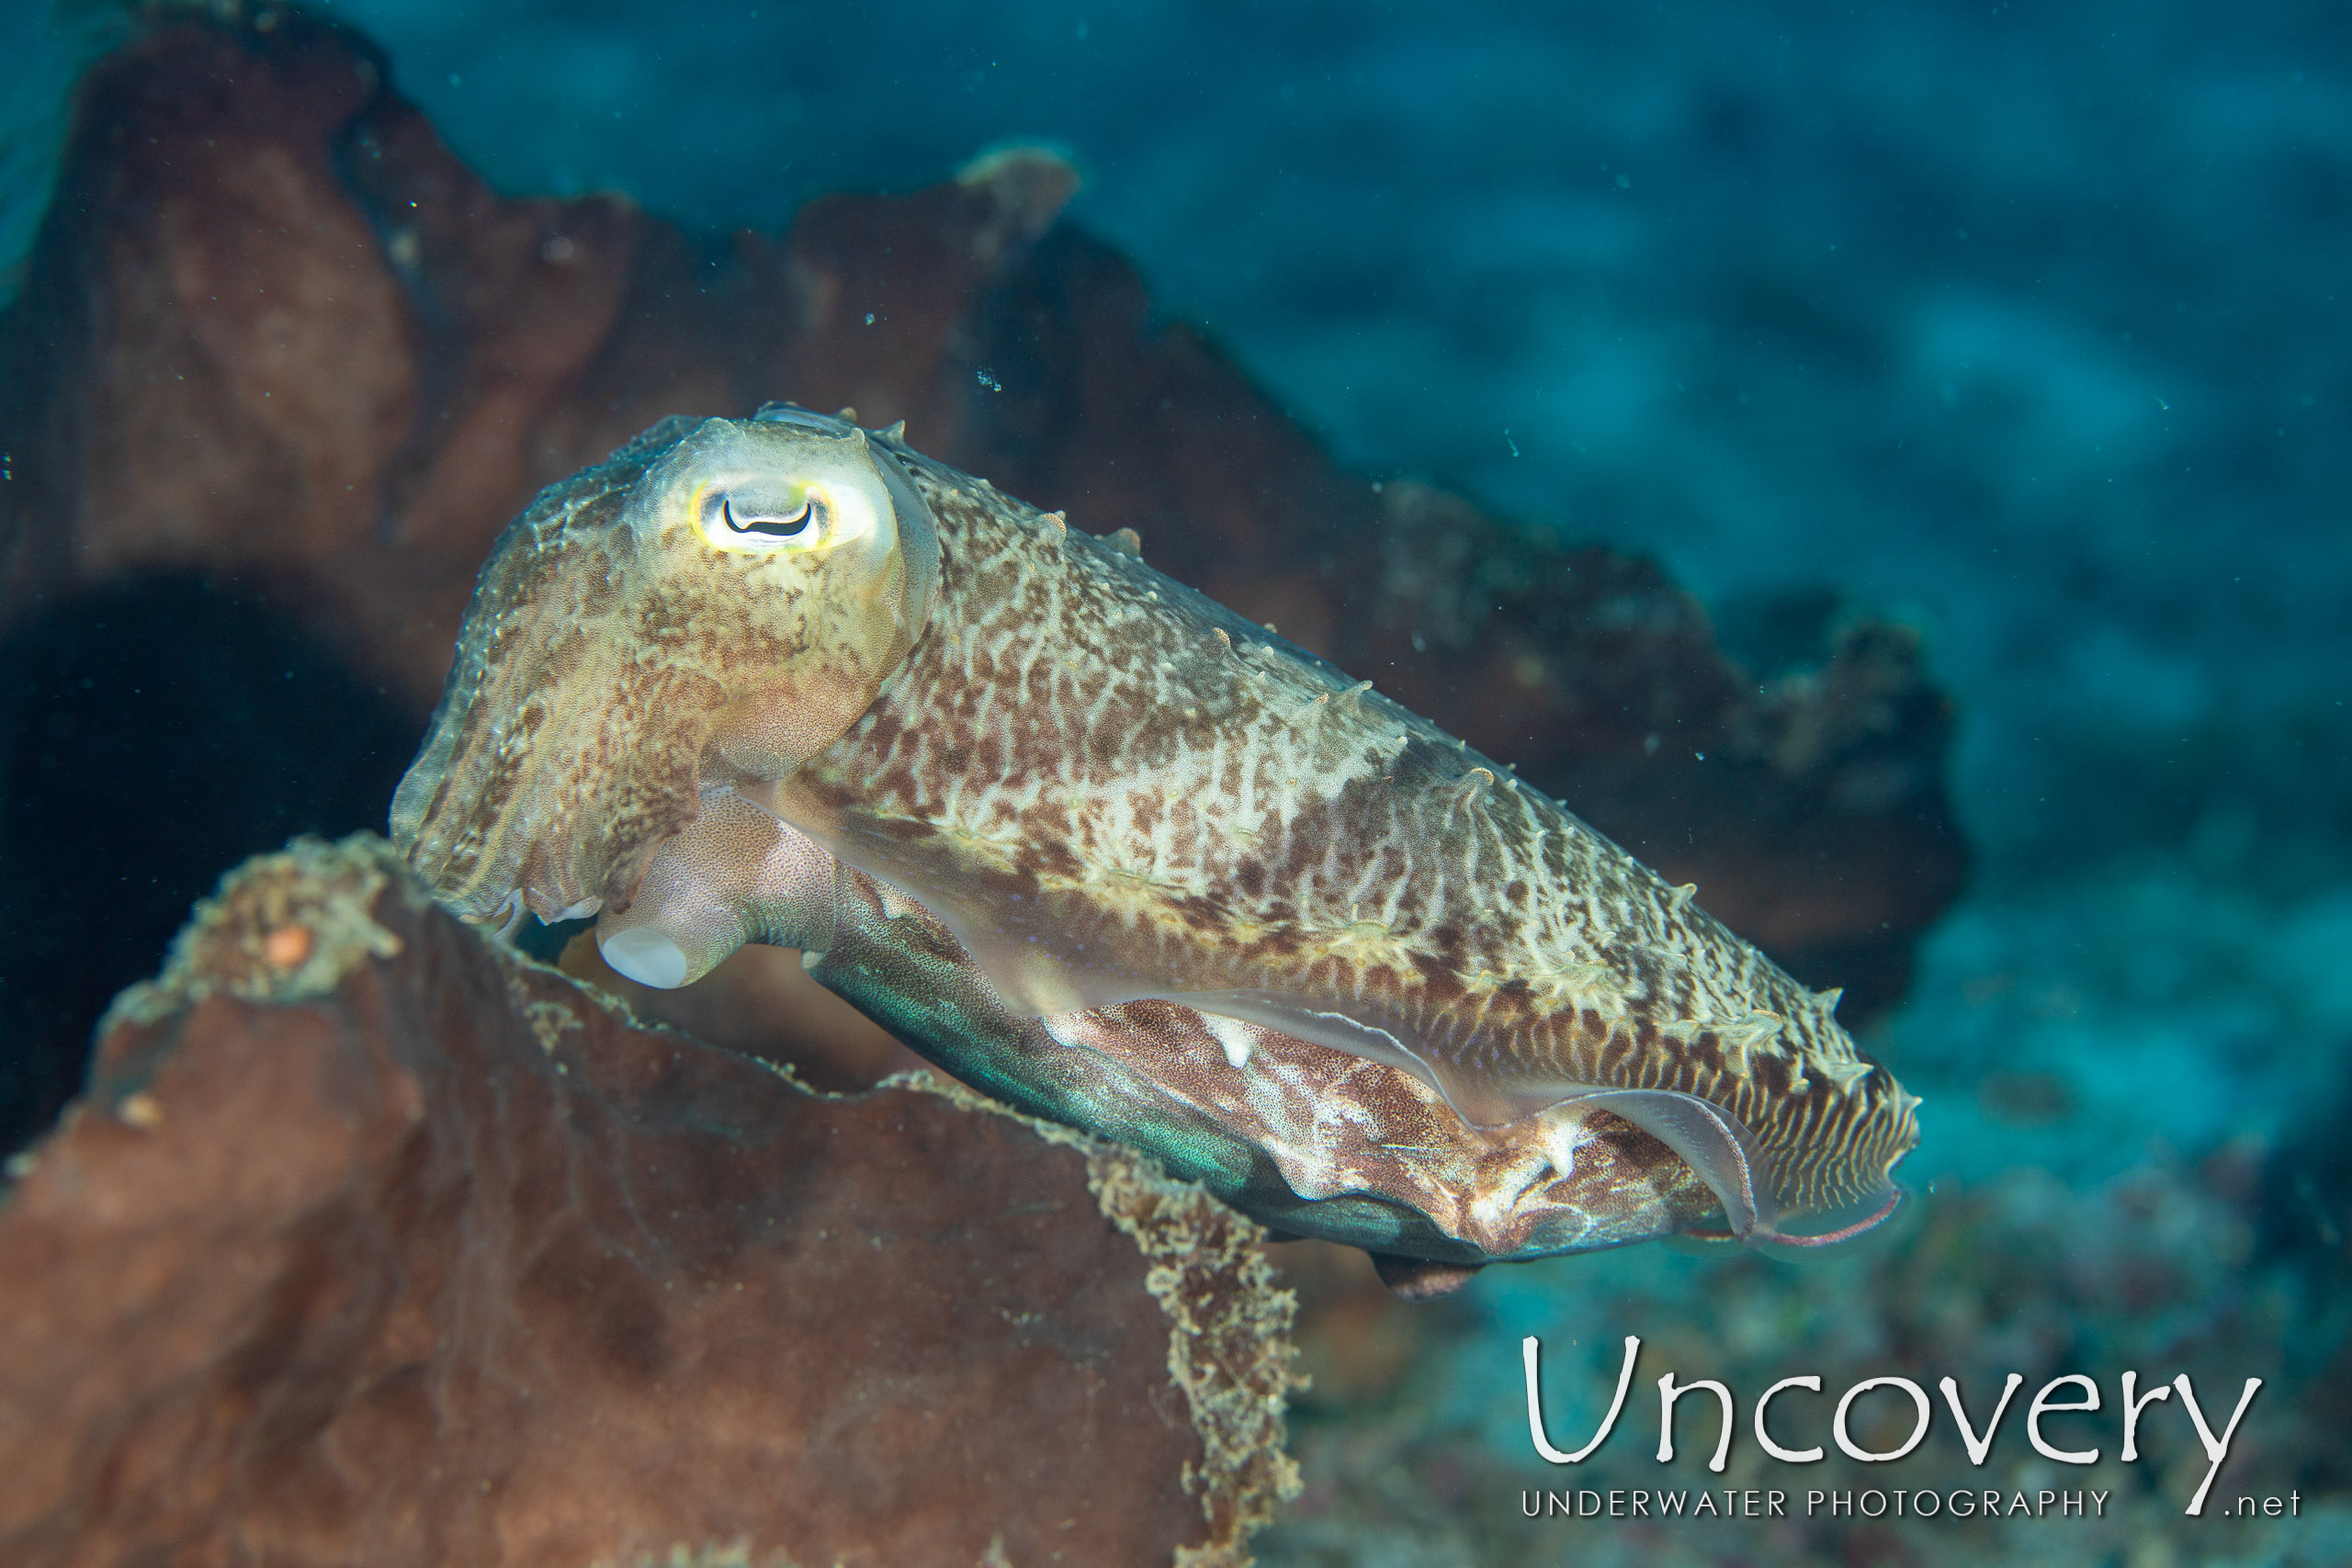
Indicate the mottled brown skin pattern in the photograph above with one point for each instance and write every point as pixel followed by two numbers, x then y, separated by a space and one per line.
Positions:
pixel 544 609
pixel 1113 787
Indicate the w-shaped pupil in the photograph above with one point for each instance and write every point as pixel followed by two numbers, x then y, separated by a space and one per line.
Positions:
pixel 774 527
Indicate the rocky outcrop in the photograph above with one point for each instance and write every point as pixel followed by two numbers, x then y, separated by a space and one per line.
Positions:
pixel 372 1242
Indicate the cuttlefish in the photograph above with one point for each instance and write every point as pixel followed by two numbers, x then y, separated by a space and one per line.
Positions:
pixel 1101 846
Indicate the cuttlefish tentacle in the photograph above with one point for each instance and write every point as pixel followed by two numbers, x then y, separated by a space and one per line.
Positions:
pixel 1108 789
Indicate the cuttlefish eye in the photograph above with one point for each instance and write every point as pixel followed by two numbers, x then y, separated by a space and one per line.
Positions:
pixel 772 516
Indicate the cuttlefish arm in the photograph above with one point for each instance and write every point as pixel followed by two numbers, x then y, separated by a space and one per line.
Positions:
pixel 1109 790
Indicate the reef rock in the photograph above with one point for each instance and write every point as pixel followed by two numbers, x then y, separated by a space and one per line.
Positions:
pixel 372 1242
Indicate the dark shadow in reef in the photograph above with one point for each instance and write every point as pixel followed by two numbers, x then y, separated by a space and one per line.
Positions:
pixel 152 732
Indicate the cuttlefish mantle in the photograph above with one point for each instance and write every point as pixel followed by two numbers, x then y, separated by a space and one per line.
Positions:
pixel 747 675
